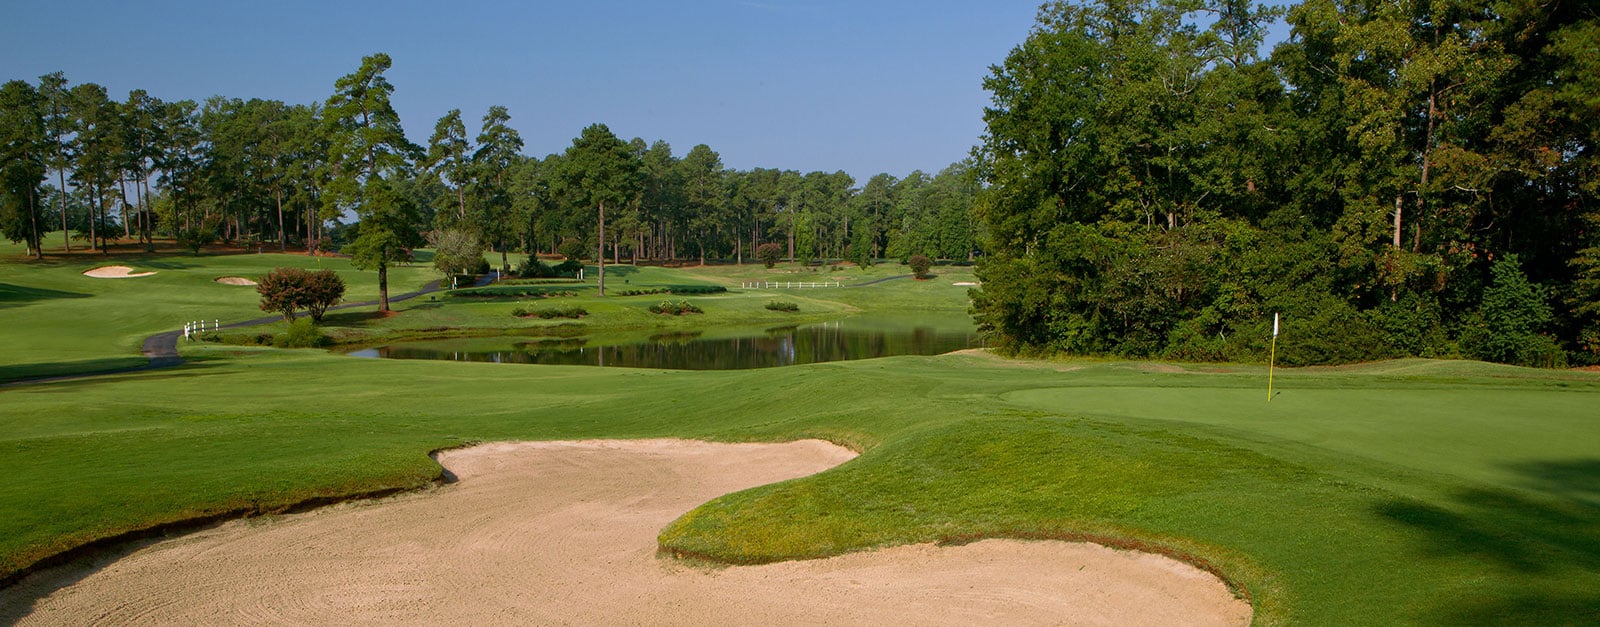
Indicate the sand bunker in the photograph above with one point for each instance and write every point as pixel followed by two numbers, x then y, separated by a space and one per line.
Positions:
pixel 234 280
pixel 565 532
pixel 115 272
pixel 964 284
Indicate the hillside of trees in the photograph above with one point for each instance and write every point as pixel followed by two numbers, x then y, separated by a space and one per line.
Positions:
pixel 319 176
pixel 1398 177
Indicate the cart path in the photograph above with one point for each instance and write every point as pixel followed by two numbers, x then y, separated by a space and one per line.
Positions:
pixel 161 350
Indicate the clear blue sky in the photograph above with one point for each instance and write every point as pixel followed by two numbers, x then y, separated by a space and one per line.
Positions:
pixel 865 87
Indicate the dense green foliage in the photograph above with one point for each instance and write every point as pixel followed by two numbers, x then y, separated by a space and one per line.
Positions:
pixel 286 290
pixel 254 172
pixel 920 265
pixel 302 333
pixel 1157 188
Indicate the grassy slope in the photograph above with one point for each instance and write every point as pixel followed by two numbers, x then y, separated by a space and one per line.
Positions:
pixel 936 300
pixel 1403 492
pixel 68 322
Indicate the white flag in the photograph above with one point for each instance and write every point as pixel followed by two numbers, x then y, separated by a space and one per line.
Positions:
pixel 1274 325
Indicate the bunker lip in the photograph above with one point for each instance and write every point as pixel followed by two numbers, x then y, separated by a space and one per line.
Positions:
pixel 115 272
pixel 234 280
pixel 566 532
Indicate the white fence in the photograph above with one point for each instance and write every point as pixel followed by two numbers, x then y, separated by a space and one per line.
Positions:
pixel 787 285
pixel 193 328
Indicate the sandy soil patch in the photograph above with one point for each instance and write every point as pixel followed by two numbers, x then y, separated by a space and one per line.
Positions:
pixel 115 272
pixel 964 284
pixel 564 532
pixel 234 280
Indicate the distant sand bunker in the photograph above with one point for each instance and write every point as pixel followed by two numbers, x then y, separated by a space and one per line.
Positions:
pixel 565 533
pixel 964 284
pixel 234 280
pixel 115 272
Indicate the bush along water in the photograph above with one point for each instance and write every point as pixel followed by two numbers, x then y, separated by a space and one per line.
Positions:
pixel 783 305
pixel 303 333
pixel 675 308
pixel 548 314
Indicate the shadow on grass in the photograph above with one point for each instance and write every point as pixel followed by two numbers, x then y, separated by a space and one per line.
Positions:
pixel 620 272
pixel 19 295
pixel 1548 544
pixel 352 318
pixel 11 373
pixel 1576 480
pixel 167 264
pixel 189 370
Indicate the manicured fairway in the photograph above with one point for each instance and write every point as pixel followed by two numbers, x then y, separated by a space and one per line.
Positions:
pixel 1402 492
pixel 59 321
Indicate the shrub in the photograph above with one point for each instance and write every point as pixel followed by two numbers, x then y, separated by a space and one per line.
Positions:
pixel 533 268
pixel 1507 324
pixel 302 333
pixel 287 289
pixel 237 339
pixel 782 305
pixel 572 248
pixel 525 292
pixel 675 308
pixel 569 267
pixel 195 238
pixel 549 314
pixel 919 265
pixel 677 289
pixel 457 250
pixel 769 253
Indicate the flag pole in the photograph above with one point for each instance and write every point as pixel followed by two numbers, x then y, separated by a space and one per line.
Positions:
pixel 1272 361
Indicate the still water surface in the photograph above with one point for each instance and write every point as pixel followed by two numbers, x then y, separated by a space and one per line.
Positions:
pixel 735 350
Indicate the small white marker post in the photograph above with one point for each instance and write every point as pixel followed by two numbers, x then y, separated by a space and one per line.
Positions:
pixel 1272 361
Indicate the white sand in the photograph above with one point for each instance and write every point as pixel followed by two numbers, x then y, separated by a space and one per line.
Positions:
pixel 565 532
pixel 115 272
pixel 234 280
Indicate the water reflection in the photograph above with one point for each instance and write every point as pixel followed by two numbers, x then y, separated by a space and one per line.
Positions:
pixel 784 346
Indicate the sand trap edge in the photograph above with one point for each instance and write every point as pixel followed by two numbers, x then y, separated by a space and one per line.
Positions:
pixel 115 272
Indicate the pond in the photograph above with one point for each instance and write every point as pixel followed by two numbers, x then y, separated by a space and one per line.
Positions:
pixel 725 349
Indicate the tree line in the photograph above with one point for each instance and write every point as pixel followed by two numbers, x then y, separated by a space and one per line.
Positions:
pixel 262 173
pixel 1399 177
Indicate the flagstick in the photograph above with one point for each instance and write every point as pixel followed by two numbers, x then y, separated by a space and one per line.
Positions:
pixel 1272 361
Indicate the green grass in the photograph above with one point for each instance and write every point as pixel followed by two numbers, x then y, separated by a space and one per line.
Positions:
pixel 1403 492
pixel 63 322
pixel 489 309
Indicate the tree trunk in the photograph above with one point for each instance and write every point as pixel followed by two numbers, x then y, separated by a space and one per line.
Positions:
pixel 1398 200
pixel 122 183
pixel 1427 158
pixel 61 176
pixel 33 216
pixel 383 286
pixel 94 222
pixel 283 246
pixel 600 258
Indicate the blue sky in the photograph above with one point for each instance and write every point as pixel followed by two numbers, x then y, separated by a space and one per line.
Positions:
pixel 865 87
